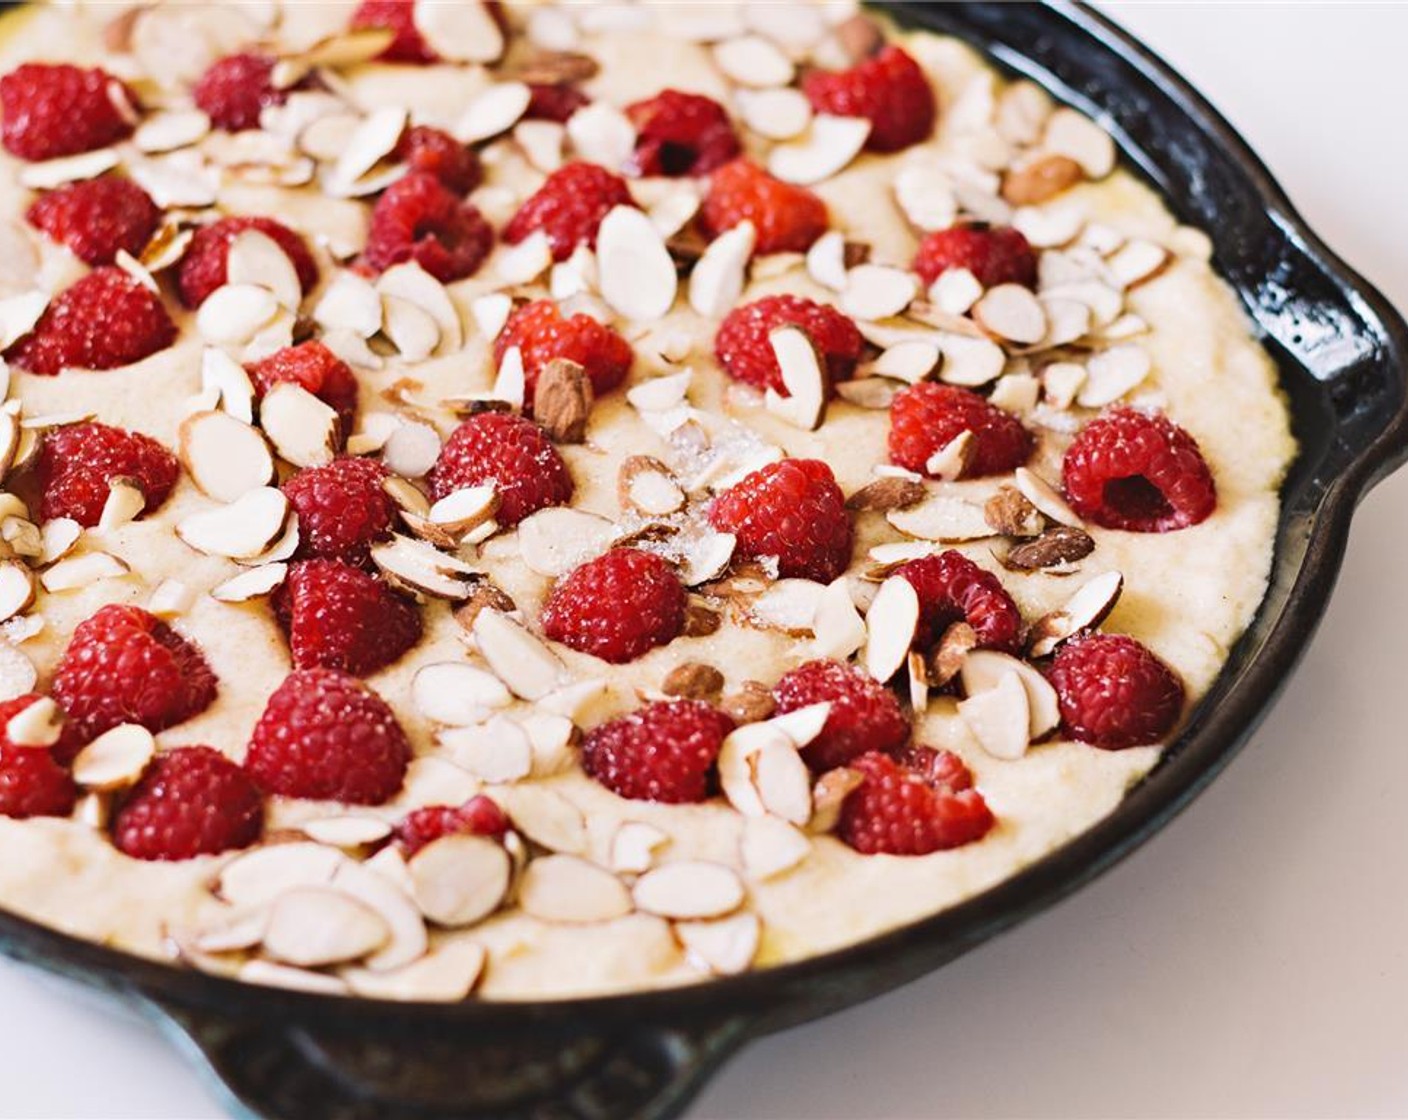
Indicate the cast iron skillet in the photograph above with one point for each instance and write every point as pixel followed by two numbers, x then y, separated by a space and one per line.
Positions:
pixel 1342 352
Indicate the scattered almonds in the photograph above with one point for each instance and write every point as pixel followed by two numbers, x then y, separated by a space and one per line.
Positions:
pixel 689 889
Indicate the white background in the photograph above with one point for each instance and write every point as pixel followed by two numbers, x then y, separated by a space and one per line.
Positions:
pixel 1250 961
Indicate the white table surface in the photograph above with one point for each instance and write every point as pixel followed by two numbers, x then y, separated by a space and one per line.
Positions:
pixel 1252 960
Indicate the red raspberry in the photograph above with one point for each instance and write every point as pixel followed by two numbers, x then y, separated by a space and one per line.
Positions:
pixel 418 219
pixel 203 266
pixel 104 321
pixel 78 461
pixel 952 588
pixel 97 217
pixel 124 665
pixel 437 153
pixel 865 715
pixel 510 451
pixel 681 134
pixel 617 607
pixel 326 736
pixel 53 110
pixel 1114 692
pixel 479 816
pixel 33 781
pixel 788 218
pixel 542 334
pixel 554 103
pixel 993 254
pixel 792 510
pixel 235 89
pixel 568 207
pixel 340 617
pixel 900 812
pixel 398 16
pixel 743 349
pixel 662 752
pixel 1140 472
pixel 342 509
pixel 192 801
pixel 940 767
pixel 318 370
pixel 889 90
pixel 925 418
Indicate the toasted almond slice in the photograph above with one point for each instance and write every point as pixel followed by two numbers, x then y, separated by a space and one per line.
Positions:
pixel 310 927
pixel 1086 609
pixel 890 625
pixel 272 975
pixel 36 725
pixel 17 589
pixel 18 675
pixel 1013 313
pixel 224 456
pixel 826 148
pixel 461 510
pixel 456 694
pixel 838 626
pixel 460 879
pixel 1072 134
pixel 950 461
pixel 1046 498
pixel 235 313
pixel 555 540
pixel 875 291
pixel 735 763
pixel 367 145
pixel 226 377
pixel 23 536
pixel 774 114
pixel 688 890
pixel 53 173
pixel 260 875
pixel 496 751
pixel 1061 382
pixel 602 134
pixel 942 517
pixel 970 362
pixel 751 60
pixel 926 196
pixel 638 277
pixel 346 831
pixel 782 780
pixel 706 558
pixel 804 377
pixel 171 599
pixel 984 669
pixel 910 361
pixel 1113 373
pixel 646 486
pixel 634 845
pixel 491 312
pixel 955 291
pixel 493 112
pixel 447 974
pixel 771 847
pixel 567 889
pixel 460 32
pixel 170 129
pixel 717 280
pixel 521 661
pixel 19 314
pixel 251 584
pixel 826 261
pixel 255 258
pixel 724 947
pixel 240 530
pixel 81 571
pixel 389 896
pixel 999 717
pixel 235 931
pixel 420 568
pixel 411 449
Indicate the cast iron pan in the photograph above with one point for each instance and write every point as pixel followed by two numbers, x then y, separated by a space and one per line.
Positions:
pixel 1343 355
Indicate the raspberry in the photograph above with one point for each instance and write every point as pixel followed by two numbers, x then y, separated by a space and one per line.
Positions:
pixel 901 812
pixel 925 418
pixel 865 715
pixel 553 102
pixel 1114 693
pixel 317 369
pixel 662 752
pixel 743 349
pixel 78 461
pixel 235 89
pixel 340 617
pixel 889 90
pixel 192 801
pixel 941 767
pixel 952 588
pixel 33 781
pixel 124 665
pixel 512 452
pixel 542 334
pixel 97 217
pixel 793 510
pixel 681 134
pixel 437 153
pixel 342 509
pixel 479 816
pixel 788 218
pixel 568 207
pixel 994 254
pixel 203 266
pixel 1140 472
pixel 325 735
pixel 104 321
pixel 418 219
pixel 617 607
pixel 60 110
pixel 397 16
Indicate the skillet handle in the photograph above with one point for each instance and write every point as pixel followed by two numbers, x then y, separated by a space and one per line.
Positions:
pixel 283 1071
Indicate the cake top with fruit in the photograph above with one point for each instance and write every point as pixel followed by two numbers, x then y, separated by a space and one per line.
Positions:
pixel 530 500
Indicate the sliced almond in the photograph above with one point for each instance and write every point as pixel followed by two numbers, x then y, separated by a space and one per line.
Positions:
pixel 224 456
pixel 171 598
pixel 735 763
pixel 829 795
pixel 706 558
pixel 693 680
pixel 410 282
pixel 951 461
pixel 910 362
pixel 826 261
pixel 838 627
pixel 1061 382
pixel 171 129
pixel 465 509
pixel 545 817
pixel 876 291
pixel 369 143
pixel 1013 313
pixel 255 258
pixel 688 890
pixel 347 831
pixel 771 847
pixel 38 724
pixel 19 314
pixel 1058 547
pixel 1072 134
pixel 1010 514
pixel 970 362
pixel 272 975
pixel 567 889
pixel 411 449
pixel 456 694
pixel 78 572
pixel 420 568
pixel 235 931
pixel 671 213
pixel 496 751
pixel 1041 179
pixel 1016 392
pixel 491 312
pixel 1086 609
pixel 555 540
pixel 460 32
pixel 999 717
pixel 1137 262
pixel 646 486
pixel 724 947
pixel 753 61
pixel 774 114
pixel 227 378
pixel 493 112
pixel 804 377
pixel 240 530
pixel 941 517
pixel 310 927
pixel 788 604
pixel 410 328
pixel 459 879
pixel 542 143
pixel 251 584
pixel 17 589
pixel 926 196
pixel 52 173
pixel 521 661
pixel 1103 303
pixel 389 896
pixel 445 975
pixel 637 273
pixel 983 669
pixel 1112 374
pixel 717 279
pixel 18 675
pixel 232 315
pixel 826 148
pixel 1045 497
pixel 890 626
pixel 955 291
pixel 602 134
pixel 876 393
pixel 783 781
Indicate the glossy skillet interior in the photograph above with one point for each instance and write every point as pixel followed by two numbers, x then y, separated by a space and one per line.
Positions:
pixel 1343 354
